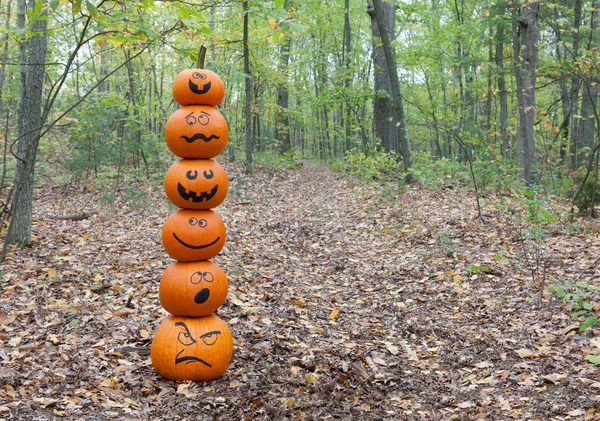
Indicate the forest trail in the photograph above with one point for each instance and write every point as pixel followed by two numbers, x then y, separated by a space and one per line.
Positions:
pixel 348 300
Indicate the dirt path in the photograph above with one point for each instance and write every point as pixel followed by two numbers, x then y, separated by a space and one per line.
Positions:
pixel 348 300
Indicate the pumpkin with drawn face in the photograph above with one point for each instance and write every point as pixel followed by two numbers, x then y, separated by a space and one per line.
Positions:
pixel 196 184
pixel 192 348
pixel 191 235
pixel 198 86
pixel 196 131
pixel 193 289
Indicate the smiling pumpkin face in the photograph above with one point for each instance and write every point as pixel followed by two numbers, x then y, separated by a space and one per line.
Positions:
pixel 192 235
pixel 198 87
pixel 193 289
pixel 196 131
pixel 196 184
pixel 192 348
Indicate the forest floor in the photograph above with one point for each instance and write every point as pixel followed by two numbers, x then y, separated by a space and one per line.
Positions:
pixel 349 300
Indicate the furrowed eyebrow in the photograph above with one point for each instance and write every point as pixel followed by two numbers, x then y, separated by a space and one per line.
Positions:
pixel 210 333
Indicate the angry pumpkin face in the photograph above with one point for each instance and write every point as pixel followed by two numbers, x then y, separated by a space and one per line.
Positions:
pixel 198 87
pixel 191 235
pixel 196 131
pixel 192 348
pixel 193 289
pixel 196 184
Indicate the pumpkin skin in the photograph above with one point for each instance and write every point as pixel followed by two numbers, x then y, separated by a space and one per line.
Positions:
pixel 191 235
pixel 196 131
pixel 192 348
pixel 192 289
pixel 198 87
pixel 196 184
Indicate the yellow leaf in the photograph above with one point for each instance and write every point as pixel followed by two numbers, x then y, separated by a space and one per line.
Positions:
pixel 98 277
pixel 131 402
pixel 457 278
pixel 51 273
pixel 333 314
pixel 310 378
pixel 272 23
pixel 290 402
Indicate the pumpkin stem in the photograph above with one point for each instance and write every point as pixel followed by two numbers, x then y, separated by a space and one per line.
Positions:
pixel 201 57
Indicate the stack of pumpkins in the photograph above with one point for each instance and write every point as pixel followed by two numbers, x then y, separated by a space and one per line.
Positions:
pixel 193 343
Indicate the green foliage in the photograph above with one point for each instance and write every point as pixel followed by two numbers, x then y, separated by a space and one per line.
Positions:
pixel 577 295
pixel 588 197
pixel 376 166
pixel 274 161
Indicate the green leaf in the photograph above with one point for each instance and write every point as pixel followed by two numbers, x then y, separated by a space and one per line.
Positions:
pixel 74 322
pixel 91 8
pixel 76 7
pixel 589 322
pixel 587 305
pixel 594 359
pixel 54 4
pixel 279 3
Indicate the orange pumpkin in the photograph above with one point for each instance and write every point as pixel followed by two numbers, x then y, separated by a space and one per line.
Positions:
pixel 196 131
pixel 192 235
pixel 198 87
pixel 192 289
pixel 192 348
pixel 196 184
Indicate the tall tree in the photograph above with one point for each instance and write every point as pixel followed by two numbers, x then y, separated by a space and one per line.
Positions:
pixel 33 50
pixel 282 124
pixel 500 39
pixel 248 91
pixel 377 9
pixel 525 47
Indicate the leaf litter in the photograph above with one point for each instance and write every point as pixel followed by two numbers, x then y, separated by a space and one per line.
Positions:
pixel 348 300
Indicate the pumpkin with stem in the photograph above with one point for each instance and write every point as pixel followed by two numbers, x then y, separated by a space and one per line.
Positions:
pixel 196 131
pixel 190 235
pixel 198 87
pixel 193 289
pixel 192 348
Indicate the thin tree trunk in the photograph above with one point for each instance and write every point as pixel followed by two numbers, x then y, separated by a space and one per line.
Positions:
pixel 502 93
pixel 248 93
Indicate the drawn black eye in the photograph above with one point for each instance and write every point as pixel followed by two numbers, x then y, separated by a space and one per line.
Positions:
pixel 185 337
pixel 194 221
pixel 210 338
pixel 197 75
pixel 208 174
pixel 208 277
pixel 191 175
pixel 203 118
pixel 196 277
pixel 202 223
pixel 202 76
pixel 190 119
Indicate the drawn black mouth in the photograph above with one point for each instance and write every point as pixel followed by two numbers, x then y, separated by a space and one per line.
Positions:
pixel 194 196
pixel 200 136
pixel 190 246
pixel 202 296
pixel 189 359
pixel 195 89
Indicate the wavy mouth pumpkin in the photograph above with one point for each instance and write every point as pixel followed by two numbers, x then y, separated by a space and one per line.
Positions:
pixel 196 131
pixel 198 86
pixel 196 184
pixel 197 349
pixel 193 289
pixel 191 235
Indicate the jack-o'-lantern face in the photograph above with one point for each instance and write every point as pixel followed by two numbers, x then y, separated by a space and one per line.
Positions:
pixel 196 131
pixel 193 289
pixel 198 87
pixel 196 184
pixel 192 348
pixel 192 235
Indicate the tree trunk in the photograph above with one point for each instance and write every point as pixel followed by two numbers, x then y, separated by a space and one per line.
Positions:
pixel 525 47
pixel 29 129
pixel 398 107
pixel 348 75
pixel 282 123
pixel 248 92
pixel 502 93
pixel 384 120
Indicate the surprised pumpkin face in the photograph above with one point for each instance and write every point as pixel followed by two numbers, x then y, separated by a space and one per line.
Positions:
pixel 197 349
pixel 192 235
pixel 193 289
pixel 196 131
pixel 196 184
